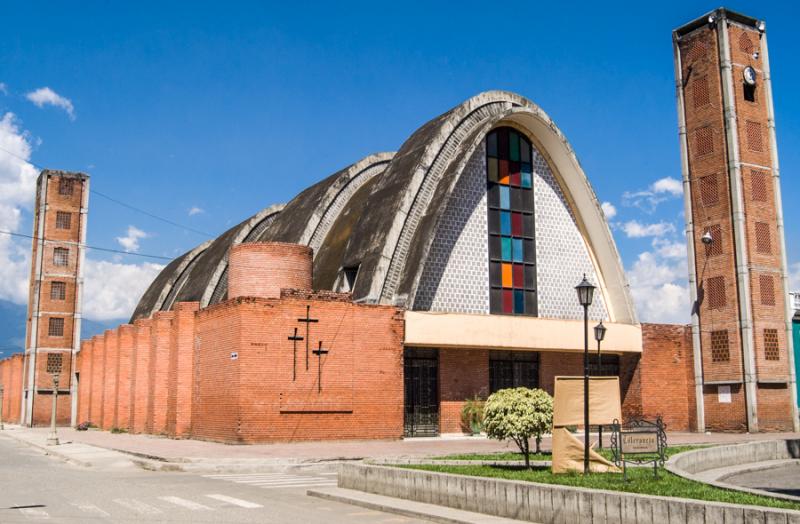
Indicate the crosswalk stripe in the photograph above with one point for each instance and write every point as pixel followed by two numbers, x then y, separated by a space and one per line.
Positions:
pixel 91 509
pixel 35 513
pixel 236 502
pixel 189 504
pixel 280 480
pixel 138 506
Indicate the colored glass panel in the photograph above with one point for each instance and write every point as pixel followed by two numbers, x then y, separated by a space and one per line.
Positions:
pixel 519 301
pixel 508 278
pixel 505 223
pixel 508 301
pixel 505 253
pixel 526 180
pixel 491 144
pixel 493 169
pixel 502 143
pixel 524 151
pixel 515 179
pixel 503 175
pixel 505 197
pixel 519 275
pixel 516 248
pixel 513 146
pixel 516 224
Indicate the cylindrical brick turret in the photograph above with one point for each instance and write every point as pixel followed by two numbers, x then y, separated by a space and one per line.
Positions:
pixel 263 269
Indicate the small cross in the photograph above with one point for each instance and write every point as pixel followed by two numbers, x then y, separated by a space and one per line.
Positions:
pixel 308 320
pixel 319 352
pixel 294 338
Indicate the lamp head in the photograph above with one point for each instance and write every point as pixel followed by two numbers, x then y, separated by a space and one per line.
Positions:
pixel 585 292
pixel 599 332
pixel 707 239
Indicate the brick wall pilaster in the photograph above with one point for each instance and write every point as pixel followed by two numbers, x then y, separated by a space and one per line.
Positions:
pixel 110 383
pixel 160 342
pixel 98 377
pixel 125 345
pixel 141 370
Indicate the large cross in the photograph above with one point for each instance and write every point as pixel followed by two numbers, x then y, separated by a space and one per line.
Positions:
pixel 319 352
pixel 308 320
pixel 294 338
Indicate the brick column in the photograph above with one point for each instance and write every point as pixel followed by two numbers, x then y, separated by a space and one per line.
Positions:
pixel 98 377
pixel 108 419
pixel 16 387
pixel 159 372
pixel 84 365
pixel 125 348
pixel 181 371
pixel 141 374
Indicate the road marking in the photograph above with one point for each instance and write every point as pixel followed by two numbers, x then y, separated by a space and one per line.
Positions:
pixel 188 504
pixel 34 513
pixel 276 480
pixel 236 502
pixel 91 509
pixel 138 506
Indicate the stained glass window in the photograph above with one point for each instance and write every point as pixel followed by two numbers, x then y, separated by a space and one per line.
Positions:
pixel 512 250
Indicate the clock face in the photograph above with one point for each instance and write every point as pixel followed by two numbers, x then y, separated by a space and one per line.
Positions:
pixel 749 76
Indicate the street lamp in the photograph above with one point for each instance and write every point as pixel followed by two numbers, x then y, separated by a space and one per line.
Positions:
pixel 52 439
pixel 585 292
pixel 599 335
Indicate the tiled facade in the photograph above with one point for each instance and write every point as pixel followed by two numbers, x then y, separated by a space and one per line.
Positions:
pixel 456 274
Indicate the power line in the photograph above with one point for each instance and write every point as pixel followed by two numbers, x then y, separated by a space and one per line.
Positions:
pixel 119 202
pixel 106 249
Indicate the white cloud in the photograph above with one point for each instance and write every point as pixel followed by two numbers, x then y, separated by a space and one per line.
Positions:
pixel 660 289
pixel 635 229
pixel 194 210
pixel 794 277
pixel 669 185
pixel 669 249
pixel 46 96
pixel 130 242
pixel 17 188
pixel 649 199
pixel 113 289
pixel 609 210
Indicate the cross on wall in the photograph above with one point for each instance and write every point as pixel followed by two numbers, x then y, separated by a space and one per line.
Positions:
pixel 319 352
pixel 308 321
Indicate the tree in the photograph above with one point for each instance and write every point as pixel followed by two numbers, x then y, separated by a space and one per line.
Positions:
pixel 518 414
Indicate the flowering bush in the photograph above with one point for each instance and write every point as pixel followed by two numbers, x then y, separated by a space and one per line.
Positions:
pixel 518 414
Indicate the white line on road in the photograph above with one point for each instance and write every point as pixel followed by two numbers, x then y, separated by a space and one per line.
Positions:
pixel 138 506
pixel 91 509
pixel 189 504
pixel 236 502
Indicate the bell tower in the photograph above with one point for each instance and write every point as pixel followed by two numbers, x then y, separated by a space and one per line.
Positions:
pixel 741 319
pixel 54 303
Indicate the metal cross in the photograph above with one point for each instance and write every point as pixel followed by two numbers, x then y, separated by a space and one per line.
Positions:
pixel 294 338
pixel 319 352
pixel 308 320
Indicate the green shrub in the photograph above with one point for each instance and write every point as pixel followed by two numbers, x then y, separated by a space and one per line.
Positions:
pixel 518 414
pixel 472 415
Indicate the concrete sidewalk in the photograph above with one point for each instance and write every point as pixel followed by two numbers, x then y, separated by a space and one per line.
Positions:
pixel 188 455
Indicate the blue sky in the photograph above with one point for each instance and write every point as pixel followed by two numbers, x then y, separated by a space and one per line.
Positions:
pixel 227 108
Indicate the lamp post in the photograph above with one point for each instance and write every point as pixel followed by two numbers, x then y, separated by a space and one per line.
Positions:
pixel 52 439
pixel 585 292
pixel 599 335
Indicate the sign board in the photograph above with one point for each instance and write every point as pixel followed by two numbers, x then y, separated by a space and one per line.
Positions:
pixel 639 442
pixel 724 394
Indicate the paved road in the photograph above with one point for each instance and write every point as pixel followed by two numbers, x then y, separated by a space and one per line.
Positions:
pixel 35 487
pixel 783 479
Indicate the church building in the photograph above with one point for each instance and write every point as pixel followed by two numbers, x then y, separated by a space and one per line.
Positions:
pixel 379 300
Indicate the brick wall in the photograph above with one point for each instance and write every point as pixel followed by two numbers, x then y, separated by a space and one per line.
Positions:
pixel 141 372
pixel 110 383
pixel 98 377
pixel 262 269
pixel 181 370
pixel 158 391
pixel 11 379
pixel 83 364
pixel 125 345
pixel 463 374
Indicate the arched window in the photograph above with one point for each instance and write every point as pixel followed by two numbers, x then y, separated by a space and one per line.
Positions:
pixel 512 249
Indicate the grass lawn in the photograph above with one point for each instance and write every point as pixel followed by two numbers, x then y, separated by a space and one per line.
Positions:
pixel 640 481
pixel 516 455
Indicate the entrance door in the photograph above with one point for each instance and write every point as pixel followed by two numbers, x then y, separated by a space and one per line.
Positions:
pixel 421 392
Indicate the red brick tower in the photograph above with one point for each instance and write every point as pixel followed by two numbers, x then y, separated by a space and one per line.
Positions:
pixel 54 303
pixel 741 323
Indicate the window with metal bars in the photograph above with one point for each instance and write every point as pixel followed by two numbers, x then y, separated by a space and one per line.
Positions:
pixel 607 366
pixel 716 292
pixel 700 94
pixel 704 141
pixel 63 220
pixel 55 327
pixel 513 369
pixel 763 240
pixel 759 190
pixel 61 256
pixel 65 186
pixel 58 290
pixel 754 138
pixel 55 362
pixel 766 285
pixel 715 247
pixel 512 252
pixel 709 190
